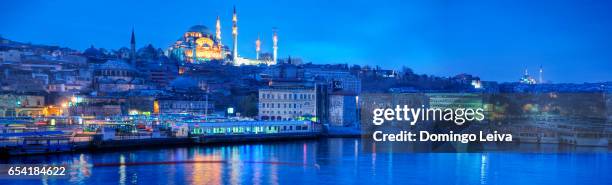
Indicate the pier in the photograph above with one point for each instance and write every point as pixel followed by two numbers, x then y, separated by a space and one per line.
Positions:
pixel 25 138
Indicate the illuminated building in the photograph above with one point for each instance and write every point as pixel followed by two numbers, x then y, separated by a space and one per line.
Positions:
pixel 21 105
pixel 198 45
pixel 526 79
pixel 287 103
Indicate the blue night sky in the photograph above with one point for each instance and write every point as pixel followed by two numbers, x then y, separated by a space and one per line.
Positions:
pixel 495 40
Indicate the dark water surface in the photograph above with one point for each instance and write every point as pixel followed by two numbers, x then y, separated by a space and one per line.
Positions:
pixel 324 161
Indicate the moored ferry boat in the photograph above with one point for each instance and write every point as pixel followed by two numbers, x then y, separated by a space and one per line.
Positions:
pixel 251 130
pixel 251 127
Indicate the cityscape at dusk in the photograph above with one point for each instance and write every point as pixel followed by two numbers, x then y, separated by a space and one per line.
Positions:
pixel 495 40
pixel 305 92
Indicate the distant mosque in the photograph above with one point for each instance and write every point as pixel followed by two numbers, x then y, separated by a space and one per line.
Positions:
pixel 527 79
pixel 198 45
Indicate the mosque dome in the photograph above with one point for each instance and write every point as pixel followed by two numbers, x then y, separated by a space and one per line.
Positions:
pixel 115 65
pixel 200 28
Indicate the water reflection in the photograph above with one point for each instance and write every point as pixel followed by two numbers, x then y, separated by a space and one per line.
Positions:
pixel 326 161
pixel 483 169
pixel 122 167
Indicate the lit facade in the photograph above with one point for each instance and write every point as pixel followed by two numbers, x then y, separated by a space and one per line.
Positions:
pixel 198 45
pixel 527 79
pixel 279 103
pixel 21 105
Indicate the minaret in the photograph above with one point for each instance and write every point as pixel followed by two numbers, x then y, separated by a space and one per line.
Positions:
pixel 257 48
pixel 218 30
pixel 235 35
pixel 541 78
pixel 275 47
pixel 133 49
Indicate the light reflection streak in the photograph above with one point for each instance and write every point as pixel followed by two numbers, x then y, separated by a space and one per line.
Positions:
pixel 304 154
pixel 374 158
pixel 274 173
pixel 206 173
pixel 483 168
pixel 235 166
pixel 257 168
pixel 122 175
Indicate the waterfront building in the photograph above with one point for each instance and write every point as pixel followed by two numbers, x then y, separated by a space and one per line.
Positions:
pixel 21 105
pixel 343 110
pixel 287 102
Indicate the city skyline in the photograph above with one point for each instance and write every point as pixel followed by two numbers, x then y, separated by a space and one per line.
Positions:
pixel 493 40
